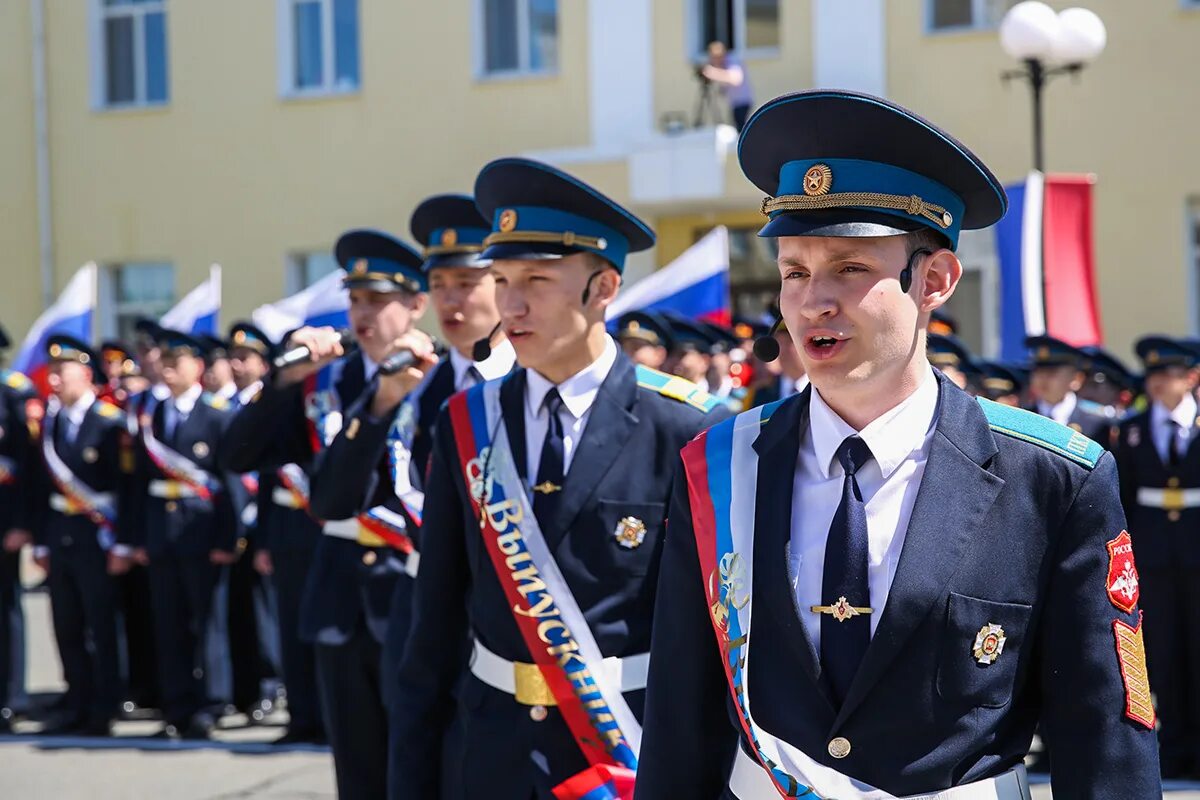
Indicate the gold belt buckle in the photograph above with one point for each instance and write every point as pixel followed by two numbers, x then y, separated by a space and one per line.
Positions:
pixel 531 686
pixel 1173 499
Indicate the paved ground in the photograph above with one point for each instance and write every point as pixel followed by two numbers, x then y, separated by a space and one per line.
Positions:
pixel 242 764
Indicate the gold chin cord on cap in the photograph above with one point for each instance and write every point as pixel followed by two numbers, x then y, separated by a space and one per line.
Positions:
pixel 909 204
pixel 566 238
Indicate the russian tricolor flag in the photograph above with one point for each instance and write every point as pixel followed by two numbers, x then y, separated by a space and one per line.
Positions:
pixel 1047 264
pixel 326 302
pixel 200 309
pixel 70 314
pixel 695 285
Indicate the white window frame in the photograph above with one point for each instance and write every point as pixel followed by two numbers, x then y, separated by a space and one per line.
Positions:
pixel 286 37
pixel 109 305
pixel 978 12
pixel 699 49
pixel 523 70
pixel 98 13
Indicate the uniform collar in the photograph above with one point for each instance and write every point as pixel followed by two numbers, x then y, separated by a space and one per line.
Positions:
pixel 1184 413
pixel 246 395
pixel 187 401
pixel 228 391
pixel 369 367
pixel 497 365
pixel 160 392
pixel 78 410
pixel 892 437
pixel 578 391
pixel 1062 411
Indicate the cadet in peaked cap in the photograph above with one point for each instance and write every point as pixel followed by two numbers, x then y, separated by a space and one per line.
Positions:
pixel 1109 384
pixel 1001 570
pixel 558 248
pixel 646 338
pixel 952 357
pixel 1002 383
pixel 1159 464
pixel 1058 371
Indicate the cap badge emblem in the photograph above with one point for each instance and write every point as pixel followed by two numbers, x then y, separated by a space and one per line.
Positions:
pixel 818 179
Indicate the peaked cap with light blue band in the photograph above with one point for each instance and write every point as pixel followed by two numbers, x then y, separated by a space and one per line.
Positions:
pixel 179 343
pixel 839 163
pixel 538 212
pixel 451 229
pixel 61 347
pixel 1159 352
pixel 247 335
pixel 1047 351
pixel 646 326
pixel 377 261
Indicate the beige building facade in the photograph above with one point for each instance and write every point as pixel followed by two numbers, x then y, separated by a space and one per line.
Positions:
pixel 177 133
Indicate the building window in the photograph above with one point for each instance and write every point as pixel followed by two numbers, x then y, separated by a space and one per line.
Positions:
pixel 517 37
pixel 131 291
pixel 305 269
pixel 319 46
pixel 132 53
pixel 743 25
pixel 956 15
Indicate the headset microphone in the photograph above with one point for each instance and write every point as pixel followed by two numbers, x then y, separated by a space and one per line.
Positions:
pixel 482 349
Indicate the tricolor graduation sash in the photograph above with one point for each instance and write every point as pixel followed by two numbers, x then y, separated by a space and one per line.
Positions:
pixel 378 526
pixel 722 478
pixel 176 466
pixel 98 508
pixel 547 614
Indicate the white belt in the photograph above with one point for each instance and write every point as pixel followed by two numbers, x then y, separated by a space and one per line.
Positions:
pixel 350 529
pixel 171 490
pixel 63 505
pixel 509 676
pixel 1170 499
pixel 749 781
pixel 284 498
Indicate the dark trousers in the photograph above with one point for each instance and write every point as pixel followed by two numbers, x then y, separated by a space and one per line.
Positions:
pixel 10 630
pixel 141 664
pixel 246 642
pixel 299 658
pixel 181 587
pixel 1170 603
pixel 352 700
pixel 83 602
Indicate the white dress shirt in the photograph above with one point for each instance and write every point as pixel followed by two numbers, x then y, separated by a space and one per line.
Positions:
pixel 900 441
pixel 72 416
pixel 178 408
pixel 1062 411
pixel 1184 415
pixel 497 365
pixel 578 393
pixel 246 395
pixel 369 368
pixel 227 392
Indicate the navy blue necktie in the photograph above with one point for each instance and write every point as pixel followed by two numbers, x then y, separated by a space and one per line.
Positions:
pixel 548 489
pixel 845 594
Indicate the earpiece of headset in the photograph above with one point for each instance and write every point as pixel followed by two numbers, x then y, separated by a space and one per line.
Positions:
pixel 482 349
pixel 766 348
pixel 587 289
pixel 906 275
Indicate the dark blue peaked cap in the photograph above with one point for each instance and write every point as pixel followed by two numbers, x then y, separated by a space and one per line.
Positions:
pixel 179 342
pixel 1158 352
pixel 250 336
pixel 646 326
pixel 1106 364
pixel 379 262
pixel 949 351
pixel 451 229
pixel 63 347
pixel 538 211
pixel 838 163
pixel 1001 379
pixel 1047 351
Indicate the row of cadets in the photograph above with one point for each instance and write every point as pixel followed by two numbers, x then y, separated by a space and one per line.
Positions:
pixel 879 587
pixel 86 499
pixel 381 456
pixel 357 559
pixel 134 383
pixel 1159 463
pixel 244 636
pixel 1057 374
pixel 545 502
pixel 20 424
pixel 189 528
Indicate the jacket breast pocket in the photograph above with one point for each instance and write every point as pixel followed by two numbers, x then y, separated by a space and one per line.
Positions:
pixel 633 531
pixel 980 651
